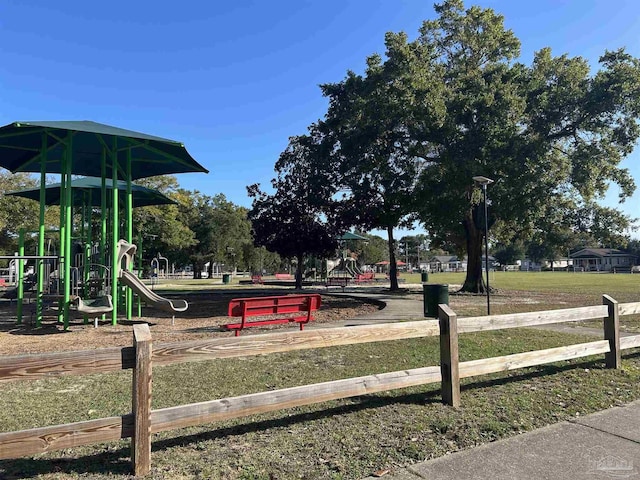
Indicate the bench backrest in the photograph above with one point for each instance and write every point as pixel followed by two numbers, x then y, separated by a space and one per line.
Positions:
pixel 251 307
pixel 337 280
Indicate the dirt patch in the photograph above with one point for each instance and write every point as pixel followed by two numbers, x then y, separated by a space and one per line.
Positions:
pixel 206 313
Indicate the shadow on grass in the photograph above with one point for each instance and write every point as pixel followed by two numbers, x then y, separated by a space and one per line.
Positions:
pixel 118 462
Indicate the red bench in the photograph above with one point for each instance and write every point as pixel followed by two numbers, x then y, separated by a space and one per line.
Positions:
pixel 270 306
pixel 283 276
pixel 365 277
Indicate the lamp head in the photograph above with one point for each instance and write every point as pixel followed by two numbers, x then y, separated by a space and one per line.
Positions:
pixel 479 180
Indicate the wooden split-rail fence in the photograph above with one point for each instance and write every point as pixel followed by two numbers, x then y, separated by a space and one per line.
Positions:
pixel 142 356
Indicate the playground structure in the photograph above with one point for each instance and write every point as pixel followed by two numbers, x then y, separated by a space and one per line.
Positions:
pixel 114 156
pixel 126 252
pixel 346 266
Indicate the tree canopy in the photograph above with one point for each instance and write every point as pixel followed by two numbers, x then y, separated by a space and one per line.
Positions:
pixel 404 139
pixel 292 221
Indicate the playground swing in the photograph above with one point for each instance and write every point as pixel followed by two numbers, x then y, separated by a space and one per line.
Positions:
pixel 97 302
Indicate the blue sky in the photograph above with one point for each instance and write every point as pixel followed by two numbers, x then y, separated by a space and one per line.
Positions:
pixel 233 80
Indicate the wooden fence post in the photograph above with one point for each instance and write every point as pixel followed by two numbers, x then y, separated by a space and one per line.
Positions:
pixel 612 333
pixel 141 401
pixel 449 356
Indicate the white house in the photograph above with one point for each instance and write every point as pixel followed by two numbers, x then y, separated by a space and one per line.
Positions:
pixel 602 259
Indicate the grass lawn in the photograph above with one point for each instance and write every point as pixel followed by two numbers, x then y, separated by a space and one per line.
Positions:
pixel 565 282
pixel 528 291
pixel 343 439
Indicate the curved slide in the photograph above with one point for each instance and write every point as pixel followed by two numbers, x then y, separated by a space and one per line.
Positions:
pixel 154 299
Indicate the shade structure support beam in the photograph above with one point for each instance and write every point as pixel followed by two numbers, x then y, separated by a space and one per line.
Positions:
pixel 103 209
pixel 38 158
pixel 69 230
pixel 29 131
pixel 147 146
pixel 129 213
pixel 41 231
pixel 87 210
pixel 24 149
pixel 20 275
pixel 115 232
pixel 63 241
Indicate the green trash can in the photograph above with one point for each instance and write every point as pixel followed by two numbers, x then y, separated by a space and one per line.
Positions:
pixel 424 277
pixel 226 278
pixel 434 294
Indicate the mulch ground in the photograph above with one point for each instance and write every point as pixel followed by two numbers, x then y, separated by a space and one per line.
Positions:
pixel 207 312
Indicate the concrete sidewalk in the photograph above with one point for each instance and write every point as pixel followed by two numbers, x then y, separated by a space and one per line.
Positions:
pixel 601 445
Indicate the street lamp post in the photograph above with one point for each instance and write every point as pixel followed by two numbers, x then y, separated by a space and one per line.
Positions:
pixel 484 181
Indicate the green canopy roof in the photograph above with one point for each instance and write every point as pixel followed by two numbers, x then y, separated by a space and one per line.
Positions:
pixel 22 143
pixel 352 236
pixel 88 190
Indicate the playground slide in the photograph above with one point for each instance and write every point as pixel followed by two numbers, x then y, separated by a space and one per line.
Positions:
pixel 350 269
pixel 154 299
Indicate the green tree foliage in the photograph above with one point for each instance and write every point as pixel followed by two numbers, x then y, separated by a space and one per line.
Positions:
pixel 509 254
pixel 374 250
pixel 408 136
pixel 414 248
pixel 221 230
pixel 292 221
pixel 162 227
pixel 20 213
pixel 368 133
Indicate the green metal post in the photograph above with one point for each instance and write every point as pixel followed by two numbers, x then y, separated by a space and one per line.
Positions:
pixel 129 213
pixel 103 214
pixel 63 237
pixel 87 211
pixel 68 233
pixel 139 270
pixel 20 275
pixel 103 209
pixel 41 232
pixel 115 233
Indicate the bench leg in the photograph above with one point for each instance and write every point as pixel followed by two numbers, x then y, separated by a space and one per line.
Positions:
pixel 237 333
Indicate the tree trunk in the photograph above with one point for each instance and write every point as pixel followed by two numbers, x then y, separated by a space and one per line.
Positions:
pixel 210 269
pixel 474 282
pixel 299 269
pixel 393 268
pixel 196 271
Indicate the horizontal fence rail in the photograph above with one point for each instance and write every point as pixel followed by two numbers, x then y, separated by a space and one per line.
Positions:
pixel 234 407
pixel 629 308
pixel 46 365
pixel 530 319
pixel 230 347
pixel 57 437
pixel 142 422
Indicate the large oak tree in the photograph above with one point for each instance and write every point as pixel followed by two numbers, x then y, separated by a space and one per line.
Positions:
pixel 455 103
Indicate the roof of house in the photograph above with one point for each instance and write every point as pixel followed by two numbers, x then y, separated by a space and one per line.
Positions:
pixel 600 252
pixel 444 258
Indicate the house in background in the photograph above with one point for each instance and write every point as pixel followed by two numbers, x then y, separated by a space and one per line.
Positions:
pixel 602 260
pixel 447 263
pixel 529 265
